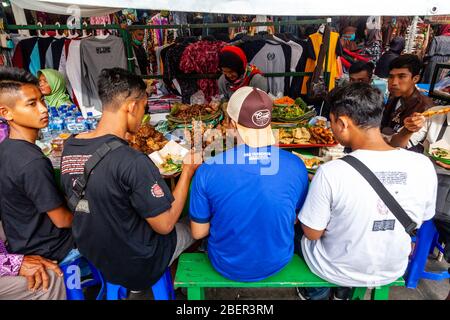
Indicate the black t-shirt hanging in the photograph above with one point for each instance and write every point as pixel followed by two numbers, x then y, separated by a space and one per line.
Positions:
pixel 142 59
pixel 43 44
pixel 57 47
pixel 123 190
pixel 27 46
pixel 27 192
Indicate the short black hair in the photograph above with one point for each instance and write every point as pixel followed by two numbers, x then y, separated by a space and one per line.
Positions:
pixel 408 61
pixel 11 81
pixel 119 83
pixel 362 66
pixel 360 102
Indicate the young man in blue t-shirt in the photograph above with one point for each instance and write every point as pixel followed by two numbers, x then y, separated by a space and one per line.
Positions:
pixel 246 198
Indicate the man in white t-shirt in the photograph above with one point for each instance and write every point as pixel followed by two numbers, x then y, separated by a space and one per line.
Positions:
pixel 350 237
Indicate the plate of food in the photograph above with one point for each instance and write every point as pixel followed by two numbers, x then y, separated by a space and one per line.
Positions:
pixel 311 162
pixel 440 154
pixel 305 137
pixel 289 110
pixel 147 139
pixel 169 159
pixel 184 113
pixel 283 102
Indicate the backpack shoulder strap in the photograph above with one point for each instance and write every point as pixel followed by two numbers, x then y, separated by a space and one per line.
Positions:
pixel 81 182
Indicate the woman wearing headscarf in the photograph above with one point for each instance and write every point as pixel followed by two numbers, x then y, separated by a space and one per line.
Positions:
pixel 348 38
pixel 53 86
pixel 237 72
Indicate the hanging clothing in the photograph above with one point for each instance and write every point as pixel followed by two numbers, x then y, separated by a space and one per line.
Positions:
pixel 313 48
pixel 272 57
pixel 43 45
pixel 141 61
pixel 297 53
pixel 73 71
pixel 159 36
pixel 439 52
pixel 150 50
pixel 171 57
pixel 100 20
pixel 53 55
pixel 297 82
pixel 35 60
pixel 96 55
pixel 373 45
pixel 203 57
pixel 23 52
pixel 57 83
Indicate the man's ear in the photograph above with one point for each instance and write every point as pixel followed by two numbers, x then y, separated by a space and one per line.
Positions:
pixel 416 79
pixel 132 107
pixel 5 113
pixel 343 122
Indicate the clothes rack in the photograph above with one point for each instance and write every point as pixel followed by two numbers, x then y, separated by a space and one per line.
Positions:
pixel 124 32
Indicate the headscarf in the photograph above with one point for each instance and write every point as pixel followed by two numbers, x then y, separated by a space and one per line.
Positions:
pixel 348 33
pixel 57 83
pixel 234 58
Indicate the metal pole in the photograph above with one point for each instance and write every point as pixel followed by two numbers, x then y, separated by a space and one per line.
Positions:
pixel 327 74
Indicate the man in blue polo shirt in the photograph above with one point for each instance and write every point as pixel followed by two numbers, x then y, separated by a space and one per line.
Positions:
pixel 246 198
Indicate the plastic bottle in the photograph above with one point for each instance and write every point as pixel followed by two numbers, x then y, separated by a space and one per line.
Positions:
pixel 91 122
pixel 80 123
pixel 46 133
pixel 71 124
pixel 58 125
pixel 62 110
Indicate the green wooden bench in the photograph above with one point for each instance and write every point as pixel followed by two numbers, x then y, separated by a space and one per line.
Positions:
pixel 196 273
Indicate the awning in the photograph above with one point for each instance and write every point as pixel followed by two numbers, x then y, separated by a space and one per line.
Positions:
pixel 260 7
pixel 65 9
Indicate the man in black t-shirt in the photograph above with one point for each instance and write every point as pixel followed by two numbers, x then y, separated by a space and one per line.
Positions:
pixel 128 229
pixel 34 217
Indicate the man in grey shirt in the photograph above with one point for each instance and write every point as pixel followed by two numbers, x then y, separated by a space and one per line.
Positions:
pixel 97 54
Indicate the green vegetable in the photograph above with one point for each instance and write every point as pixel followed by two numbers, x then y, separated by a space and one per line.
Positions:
pixel 302 104
pixel 146 119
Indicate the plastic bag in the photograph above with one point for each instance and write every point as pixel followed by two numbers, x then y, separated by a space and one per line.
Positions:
pixel 4 130
pixel 198 98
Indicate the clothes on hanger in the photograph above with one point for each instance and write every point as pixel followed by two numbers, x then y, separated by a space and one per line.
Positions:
pixel 312 51
pixel 53 55
pixel 73 72
pixel 159 36
pixel 298 63
pixel 203 57
pixel 171 58
pixel 100 20
pixel 438 52
pixel 96 55
pixel 270 56
pixel 22 54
